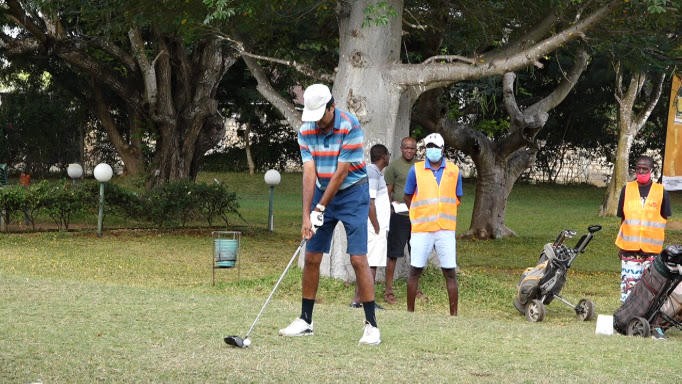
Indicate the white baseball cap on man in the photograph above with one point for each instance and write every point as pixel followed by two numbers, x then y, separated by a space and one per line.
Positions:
pixel 315 99
pixel 434 138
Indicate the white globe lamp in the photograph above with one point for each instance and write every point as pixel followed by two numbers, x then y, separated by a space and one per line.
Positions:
pixel 103 173
pixel 272 178
pixel 75 171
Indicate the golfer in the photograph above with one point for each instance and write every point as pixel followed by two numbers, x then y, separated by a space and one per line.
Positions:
pixel 335 189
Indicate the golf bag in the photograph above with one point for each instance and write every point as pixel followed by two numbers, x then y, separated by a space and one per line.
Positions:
pixel 541 284
pixel 672 307
pixel 647 298
pixel 550 273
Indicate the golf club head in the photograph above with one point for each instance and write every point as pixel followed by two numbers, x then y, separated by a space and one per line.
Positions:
pixel 234 341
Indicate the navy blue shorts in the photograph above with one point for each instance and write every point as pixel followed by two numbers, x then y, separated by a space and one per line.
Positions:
pixel 351 207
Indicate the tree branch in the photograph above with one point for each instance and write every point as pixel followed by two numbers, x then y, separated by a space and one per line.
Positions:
pixel 645 112
pixel 239 45
pixel 510 100
pixel 548 22
pixel 104 75
pixel 427 75
pixel 284 106
pixel 15 47
pixel 449 58
pixel 566 85
pixel 21 18
pixel 266 89
pixel 618 89
pixel 137 45
pixel 525 125
pixel 415 26
pixel 429 110
pixel 115 51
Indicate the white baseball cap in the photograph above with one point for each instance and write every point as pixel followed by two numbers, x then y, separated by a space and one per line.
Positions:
pixel 434 138
pixel 315 99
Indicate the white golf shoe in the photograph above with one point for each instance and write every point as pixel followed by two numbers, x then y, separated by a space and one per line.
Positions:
pixel 297 327
pixel 370 335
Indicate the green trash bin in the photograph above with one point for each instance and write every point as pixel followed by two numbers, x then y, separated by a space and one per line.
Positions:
pixel 226 251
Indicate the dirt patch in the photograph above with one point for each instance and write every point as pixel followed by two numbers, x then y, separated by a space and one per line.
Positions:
pixel 674 225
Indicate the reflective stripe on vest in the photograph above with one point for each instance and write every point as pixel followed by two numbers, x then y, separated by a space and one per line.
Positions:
pixel 643 227
pixel 434 207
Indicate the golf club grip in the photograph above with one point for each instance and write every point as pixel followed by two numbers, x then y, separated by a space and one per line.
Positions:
pixel 300 246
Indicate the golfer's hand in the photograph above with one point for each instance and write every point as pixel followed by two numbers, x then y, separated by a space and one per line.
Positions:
pixel 316 220
pixel 306 229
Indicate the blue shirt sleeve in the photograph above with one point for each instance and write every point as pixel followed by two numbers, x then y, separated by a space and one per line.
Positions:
pixel 306 156
pixel 411 182
pixel 459 191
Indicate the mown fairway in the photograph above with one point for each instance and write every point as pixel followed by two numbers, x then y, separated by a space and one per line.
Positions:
pixel 137 305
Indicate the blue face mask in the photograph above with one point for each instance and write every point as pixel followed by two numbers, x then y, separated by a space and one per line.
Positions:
pixel 434 154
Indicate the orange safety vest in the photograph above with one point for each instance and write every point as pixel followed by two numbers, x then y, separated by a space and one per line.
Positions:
pixel 643 227
pixel 434 207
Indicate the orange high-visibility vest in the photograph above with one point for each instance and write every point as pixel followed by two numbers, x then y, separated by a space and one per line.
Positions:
pixel 434 207
pixel 643 227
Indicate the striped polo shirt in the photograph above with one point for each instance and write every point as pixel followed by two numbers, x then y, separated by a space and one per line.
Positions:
pixel 343 144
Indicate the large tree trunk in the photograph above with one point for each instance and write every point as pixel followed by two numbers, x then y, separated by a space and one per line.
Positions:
pixel 629 124
pixel 361 86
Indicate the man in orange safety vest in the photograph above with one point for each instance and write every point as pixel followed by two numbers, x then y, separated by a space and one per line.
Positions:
pixel 644 208
pixel 433 191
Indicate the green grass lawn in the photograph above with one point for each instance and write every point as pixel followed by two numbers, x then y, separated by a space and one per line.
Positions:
pixel 137 305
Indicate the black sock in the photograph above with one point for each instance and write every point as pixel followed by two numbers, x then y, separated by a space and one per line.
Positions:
pixel 369 313
pixel 307 310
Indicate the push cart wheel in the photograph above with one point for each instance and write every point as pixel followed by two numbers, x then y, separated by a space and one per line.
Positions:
pixel 585 310
pixel 535 311
pixel 639 326
pixel 519 307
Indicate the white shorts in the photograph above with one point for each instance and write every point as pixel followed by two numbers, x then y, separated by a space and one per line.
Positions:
pixel 376 248
pixel 444 241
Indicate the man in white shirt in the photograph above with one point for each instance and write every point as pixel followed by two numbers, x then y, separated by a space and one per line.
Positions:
pixel 379 214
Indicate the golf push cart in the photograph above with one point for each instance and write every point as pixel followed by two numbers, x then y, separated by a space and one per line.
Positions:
pixel 541 284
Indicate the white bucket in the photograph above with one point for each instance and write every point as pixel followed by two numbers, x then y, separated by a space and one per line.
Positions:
pixel 604 325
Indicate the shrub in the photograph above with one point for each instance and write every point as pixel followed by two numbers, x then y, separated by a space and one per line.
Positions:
pixel 216 201
pixel 65 200
pixel 171 202
pixel 11 201
pixel 118 201
pixel 167 205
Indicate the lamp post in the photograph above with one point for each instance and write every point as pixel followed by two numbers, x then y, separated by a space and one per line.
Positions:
pixel 103 173
pixel 272 178
pixel 75 171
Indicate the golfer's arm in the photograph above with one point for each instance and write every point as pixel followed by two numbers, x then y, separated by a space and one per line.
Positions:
pixel 309 176
pixel 335 183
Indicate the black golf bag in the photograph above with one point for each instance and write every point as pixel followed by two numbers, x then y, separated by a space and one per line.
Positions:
pixel 655 288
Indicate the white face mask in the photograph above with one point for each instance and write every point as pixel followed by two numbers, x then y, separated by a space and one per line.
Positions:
pixel 434 154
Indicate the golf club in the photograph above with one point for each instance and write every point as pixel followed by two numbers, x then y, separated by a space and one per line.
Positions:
pixel 237 341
